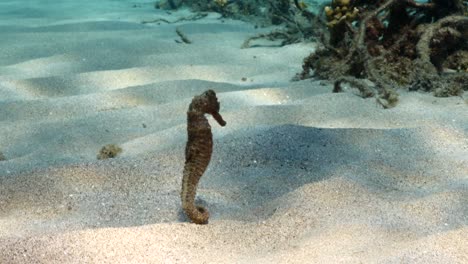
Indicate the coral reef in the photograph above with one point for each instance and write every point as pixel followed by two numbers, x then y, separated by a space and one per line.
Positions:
pixel 259 12
pixel 109 151
pixel 298 23
pixel 394 43
pixel 198 151
pixel 340 12
pixel 364 89
pixel 236 9
pixel 168 4
pixel 457 61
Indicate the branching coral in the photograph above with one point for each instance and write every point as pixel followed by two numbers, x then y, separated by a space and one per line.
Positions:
pixel 340 11
pixel 298 23
pixel 364 89
pixel 394 43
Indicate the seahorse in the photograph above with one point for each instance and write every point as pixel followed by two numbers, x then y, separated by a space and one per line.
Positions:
pixel 198 151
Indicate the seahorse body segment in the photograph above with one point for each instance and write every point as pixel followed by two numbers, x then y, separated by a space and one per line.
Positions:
pixel 198 151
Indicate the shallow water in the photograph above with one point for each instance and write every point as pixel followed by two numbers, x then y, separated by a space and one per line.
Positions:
pixel 298 174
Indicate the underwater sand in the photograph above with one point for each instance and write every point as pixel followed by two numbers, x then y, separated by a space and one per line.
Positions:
pixel 298 175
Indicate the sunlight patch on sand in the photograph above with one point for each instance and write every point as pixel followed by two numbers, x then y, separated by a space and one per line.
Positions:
pixel 265 96
pixel 42 67
pixel 8 225
pixel 23 89
pixel 112 103
pixel 452 137
pixel 119 79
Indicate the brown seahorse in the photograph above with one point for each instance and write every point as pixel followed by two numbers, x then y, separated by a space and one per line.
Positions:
pixel 198 151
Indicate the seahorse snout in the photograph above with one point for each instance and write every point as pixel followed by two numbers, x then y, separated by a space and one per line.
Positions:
pixel 218 118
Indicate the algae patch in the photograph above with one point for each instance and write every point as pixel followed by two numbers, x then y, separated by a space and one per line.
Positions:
pixel 109 151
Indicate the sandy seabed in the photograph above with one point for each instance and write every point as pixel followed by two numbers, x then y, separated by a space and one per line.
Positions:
pixel 298 175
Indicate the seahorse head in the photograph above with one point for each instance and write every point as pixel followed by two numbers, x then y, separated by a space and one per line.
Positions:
pixel 207 103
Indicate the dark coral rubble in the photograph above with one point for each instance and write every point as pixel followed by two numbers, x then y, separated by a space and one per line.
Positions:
pixel 395 43
pixel 259 12
pixel 237 9
pixel 296 22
